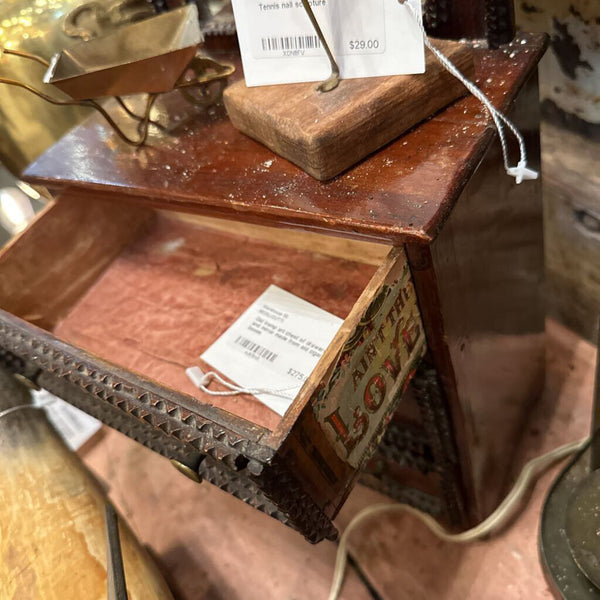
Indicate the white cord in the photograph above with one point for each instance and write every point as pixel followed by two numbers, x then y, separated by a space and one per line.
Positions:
pixel 202 380
pixel 12 409
pixel 521 171
pixel 498 518
pixel 38 405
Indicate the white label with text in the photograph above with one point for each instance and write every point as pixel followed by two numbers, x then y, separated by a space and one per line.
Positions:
pixel 369 38
pixel 275 344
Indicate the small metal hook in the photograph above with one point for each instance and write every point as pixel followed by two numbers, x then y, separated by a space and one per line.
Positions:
pixel 334 79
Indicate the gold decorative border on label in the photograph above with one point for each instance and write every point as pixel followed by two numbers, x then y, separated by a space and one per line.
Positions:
pixel 373 369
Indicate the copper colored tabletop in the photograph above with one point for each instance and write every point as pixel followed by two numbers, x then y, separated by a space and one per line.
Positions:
pixel 401 193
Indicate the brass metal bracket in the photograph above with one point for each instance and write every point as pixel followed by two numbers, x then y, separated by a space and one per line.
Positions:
pixel 189 473
pixel 334 79
pixel 205 72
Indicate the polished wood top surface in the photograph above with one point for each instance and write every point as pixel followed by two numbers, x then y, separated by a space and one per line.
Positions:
pixel 402 193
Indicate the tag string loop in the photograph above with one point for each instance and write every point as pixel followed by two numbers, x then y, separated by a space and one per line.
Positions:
pixel 521 171
pixel 202 380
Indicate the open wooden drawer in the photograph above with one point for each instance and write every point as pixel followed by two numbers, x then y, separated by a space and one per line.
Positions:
pixel 106 304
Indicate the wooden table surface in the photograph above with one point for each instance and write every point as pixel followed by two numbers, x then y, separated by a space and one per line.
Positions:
pixel 403 192
pixel 215 547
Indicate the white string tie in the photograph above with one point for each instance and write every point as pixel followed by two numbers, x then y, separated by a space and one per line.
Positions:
pixel 38 406
pixel 202 380
pixel 12 409
pixel 521 172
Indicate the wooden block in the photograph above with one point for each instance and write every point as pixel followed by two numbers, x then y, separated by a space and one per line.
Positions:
pixel 326 133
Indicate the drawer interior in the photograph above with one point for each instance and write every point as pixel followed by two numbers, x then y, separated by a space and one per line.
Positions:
pixel 151 290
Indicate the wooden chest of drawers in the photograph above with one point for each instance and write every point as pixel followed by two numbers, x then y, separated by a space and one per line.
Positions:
pixel 427 250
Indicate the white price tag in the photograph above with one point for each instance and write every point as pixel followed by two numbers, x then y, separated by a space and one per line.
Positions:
pixel 74 426
pixel 275 344
pixel 369 38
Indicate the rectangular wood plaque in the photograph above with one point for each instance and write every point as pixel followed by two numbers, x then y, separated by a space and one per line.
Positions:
pixel 326 133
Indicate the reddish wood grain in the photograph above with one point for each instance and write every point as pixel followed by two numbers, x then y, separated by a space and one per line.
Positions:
pixel 402 193
pixel 325 134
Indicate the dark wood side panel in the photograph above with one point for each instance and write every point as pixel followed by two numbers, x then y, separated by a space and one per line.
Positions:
pixel 488 263
pixel 426 284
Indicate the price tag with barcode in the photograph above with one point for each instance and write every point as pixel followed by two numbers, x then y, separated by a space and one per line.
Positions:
pixel 275 344
pixel 369 38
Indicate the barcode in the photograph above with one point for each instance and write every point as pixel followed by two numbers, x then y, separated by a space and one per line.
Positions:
pixel 255 348
pixel 294 42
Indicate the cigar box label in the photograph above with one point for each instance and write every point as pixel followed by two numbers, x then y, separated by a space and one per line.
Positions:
pixel 354 407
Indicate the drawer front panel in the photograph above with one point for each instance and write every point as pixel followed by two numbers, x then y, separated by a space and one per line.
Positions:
pixel 230 457
pixel 367 367
pixel 375 363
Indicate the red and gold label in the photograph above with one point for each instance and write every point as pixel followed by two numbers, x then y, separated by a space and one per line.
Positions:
pixel 374 367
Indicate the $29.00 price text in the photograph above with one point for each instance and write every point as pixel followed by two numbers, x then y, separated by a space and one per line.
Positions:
pixel 363 44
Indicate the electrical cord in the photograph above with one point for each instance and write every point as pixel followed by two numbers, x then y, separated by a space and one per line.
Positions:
pixel 12 409
pixel 499 517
